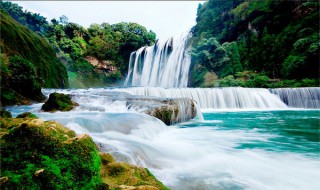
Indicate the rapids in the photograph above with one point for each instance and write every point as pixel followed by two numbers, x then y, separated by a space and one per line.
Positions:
pixel 230 149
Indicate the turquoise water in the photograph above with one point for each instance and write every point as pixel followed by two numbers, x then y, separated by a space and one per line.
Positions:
pixel 229 150
pixel 290 131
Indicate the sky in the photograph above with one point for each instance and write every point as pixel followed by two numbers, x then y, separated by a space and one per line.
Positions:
pixel 165 18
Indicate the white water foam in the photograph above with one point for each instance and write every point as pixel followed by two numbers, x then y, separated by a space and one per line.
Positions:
pixel 216 98
pixel 201 158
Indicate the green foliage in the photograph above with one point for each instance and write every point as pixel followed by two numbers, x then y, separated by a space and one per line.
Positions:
pixel 115 76
pixel 233 52
pixel 19 81
pixel 73 42
pixel 213 56
pixel 18 40
pixel 23 78
pixel 277 38
pixel 46 155
pixel 34 21
pixel 196 75
pixel 5 114
pixel 250 79
pixel 58 101
pixel 83 74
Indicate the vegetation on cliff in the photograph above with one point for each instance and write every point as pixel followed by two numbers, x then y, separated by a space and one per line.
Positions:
pixel 73 43
pixel 278 40
pixel 28 62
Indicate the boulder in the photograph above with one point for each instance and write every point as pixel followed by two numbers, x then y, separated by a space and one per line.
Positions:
pixel 170 111
pixel 38 154
pixel 26 115
pixel 121 175
pixel 58 101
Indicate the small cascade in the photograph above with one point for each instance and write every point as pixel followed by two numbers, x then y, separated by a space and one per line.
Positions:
pixel 217 98
pixel 169 110
pixel 186 110
pixel 299 97
pixel 199 113
pixel 164 64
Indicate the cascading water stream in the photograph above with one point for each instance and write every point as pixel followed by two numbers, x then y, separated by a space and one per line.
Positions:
pixel 164 64
pixel 217 98
pixel 299 97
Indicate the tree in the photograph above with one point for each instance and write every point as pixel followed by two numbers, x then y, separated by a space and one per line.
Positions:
pixel 213 56
pixel 64 20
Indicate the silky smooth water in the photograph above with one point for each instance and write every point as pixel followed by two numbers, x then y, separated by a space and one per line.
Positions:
pixel 229 149
pixel 164 64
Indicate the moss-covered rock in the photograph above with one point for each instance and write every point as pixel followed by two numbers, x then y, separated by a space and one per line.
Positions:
pixel 27 115
pixel 38 154
pixel 5 114
pixel 106 158
pixel 168 110
pixel 58 101
pixel 121 175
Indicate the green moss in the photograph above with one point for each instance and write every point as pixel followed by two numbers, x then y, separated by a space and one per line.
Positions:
pixel 58 101
pixel 164 115
pixel 10 97
pixel 38 154
pixel 106 158
pixel 26 115
pixel 46 155
pixel 117 174
pixel 5 114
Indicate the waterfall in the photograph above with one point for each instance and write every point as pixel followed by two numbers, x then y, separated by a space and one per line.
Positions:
pixel 165 64
pixel 216 98
pixel 299 97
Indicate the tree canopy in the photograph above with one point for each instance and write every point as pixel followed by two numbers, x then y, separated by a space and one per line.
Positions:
pixel 277 38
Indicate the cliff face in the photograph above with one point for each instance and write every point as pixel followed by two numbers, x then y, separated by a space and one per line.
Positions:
pixel 28 63
pixel 104 65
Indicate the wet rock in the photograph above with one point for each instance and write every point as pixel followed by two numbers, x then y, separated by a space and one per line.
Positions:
pixel 27 115
pixel 170 111
pixel 121 175
pixel 37 173
pixel 41 151
pixel 3 180
pixel 58 101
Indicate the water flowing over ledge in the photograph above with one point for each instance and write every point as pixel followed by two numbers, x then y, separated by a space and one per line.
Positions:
pixel 168 110
pixel 299 97
pixel 165 64
pixel 237 97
